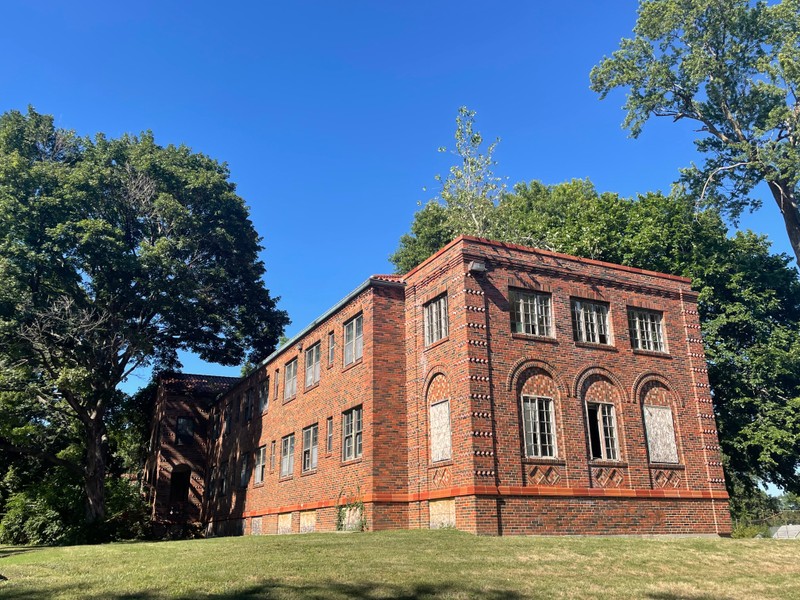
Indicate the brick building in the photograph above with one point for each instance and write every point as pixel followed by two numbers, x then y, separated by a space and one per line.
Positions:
pixel 495 388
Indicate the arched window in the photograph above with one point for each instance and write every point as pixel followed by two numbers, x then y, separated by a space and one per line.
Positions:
pixel 536 391
pixel 658 423
pixel 438 399
pixel 601 398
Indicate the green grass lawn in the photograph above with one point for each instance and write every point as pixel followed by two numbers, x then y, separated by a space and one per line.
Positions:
pixel 408 565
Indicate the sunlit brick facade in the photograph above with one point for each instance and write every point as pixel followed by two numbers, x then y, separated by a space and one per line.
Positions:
pixel 494 388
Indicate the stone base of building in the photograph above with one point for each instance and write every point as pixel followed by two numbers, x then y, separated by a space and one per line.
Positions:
pixel 494 515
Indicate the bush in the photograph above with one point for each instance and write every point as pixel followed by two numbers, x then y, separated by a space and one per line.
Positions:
pixel 29 520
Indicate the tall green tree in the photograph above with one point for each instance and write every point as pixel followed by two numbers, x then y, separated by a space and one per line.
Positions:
pixel 733 68
pixel 114 254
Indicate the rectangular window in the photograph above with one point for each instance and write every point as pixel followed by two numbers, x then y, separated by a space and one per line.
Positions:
pixel 602 431
pixel 660 434
pixel 590 322
pixel 353 340
pixel 261 464
pixel 329 445
pixel 212 481
pixel 290 380
pixel 645 330
pixel 351 433
pixel 248 405
pixel 244 475
pixel 436 322
pixel 227 419
pixel 531 313
pixel 441 442
pixel 331 348
pixel 287 455
pixel 272 456
pixel 184 431
pixel 263 396
pixel 312 365
pixel 223 479
pixel 310 445
pixel 538 426
pixel 275 391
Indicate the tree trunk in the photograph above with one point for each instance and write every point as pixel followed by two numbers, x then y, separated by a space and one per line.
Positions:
pixel 95 476
pixel 786 199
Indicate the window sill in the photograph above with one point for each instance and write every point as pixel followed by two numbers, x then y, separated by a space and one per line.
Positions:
pixel 289 399
pixel 543 460
pixel 258 485
pixel 597 462
pixel 352 364
pixel 309 472
pixel 440 463
pixel 312 386
pixel 534 338
pixel 352 461
pixel 652 353
pixel 606 347
pixel 285 478
pixel 437 343
pixel 673 466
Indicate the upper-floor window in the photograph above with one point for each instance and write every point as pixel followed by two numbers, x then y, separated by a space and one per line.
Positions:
pixel 248 405
pixel 353 340
pixel 590 322
pixel 645 329
pixel 244 472
pixel 275 390
pixel 436 324
pixel 538 426
pixel 184 431
pixel 351 433
pixel 223 479
pixel 287 455
pixel 263 396
pixel 331 347
pixel 329 435
pixel 312 365
pixel 530 313
pixel 227 419
pixel 272 456
pixel 602 430
pixel 290 380
pixel 310 447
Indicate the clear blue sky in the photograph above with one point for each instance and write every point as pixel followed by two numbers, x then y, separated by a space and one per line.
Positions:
pixel 329 114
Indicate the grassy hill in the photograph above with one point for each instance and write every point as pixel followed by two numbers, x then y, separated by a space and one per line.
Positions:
pixel 408 565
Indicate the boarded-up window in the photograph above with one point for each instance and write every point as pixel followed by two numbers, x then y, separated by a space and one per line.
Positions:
pixel 442 513
pixel 441 446
pixel 660 434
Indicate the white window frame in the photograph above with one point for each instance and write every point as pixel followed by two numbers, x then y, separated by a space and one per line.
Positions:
pixel 436 320
pixel 287 455
pixel 329 435
pixel 646 330
pixel 310 447
pixel 531 313
pixel 605 420
pixel 312 365
pixel 331 348
pixel 445 452
pixel 590 322
pixel 538 426
pixel 290 379
pixel 272 456
pixel 352 431
pixel 261 464
pixel 353 340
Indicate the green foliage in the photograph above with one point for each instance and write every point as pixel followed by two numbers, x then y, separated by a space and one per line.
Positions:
pixel 733 67
pixel 114 254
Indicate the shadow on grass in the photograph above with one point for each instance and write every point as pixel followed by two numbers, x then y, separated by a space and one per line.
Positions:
pixel 276 590
pixel 670 596
pixel 12 550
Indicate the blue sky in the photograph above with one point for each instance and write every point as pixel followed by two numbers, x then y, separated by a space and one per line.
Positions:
pixel 329 114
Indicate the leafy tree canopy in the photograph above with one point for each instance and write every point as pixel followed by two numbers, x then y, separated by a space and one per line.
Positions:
pixel 732 67
pixel 114 254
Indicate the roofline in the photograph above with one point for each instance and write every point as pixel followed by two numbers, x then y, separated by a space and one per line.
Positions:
pixel 539 251
pixel 325 316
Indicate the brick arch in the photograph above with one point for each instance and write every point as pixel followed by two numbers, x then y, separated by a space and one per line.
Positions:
pixel 524 364
pixel 437 388
pixel 592 374
pixel 656 389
